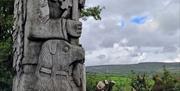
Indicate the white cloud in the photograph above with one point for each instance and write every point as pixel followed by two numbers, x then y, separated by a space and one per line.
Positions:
pixel 102 27
pixel 118 54
pixel 109 41
pixel 124 41
pixel 167 2
pixel 150 25
pixel 177 59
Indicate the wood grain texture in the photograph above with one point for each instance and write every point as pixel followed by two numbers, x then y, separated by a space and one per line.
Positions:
pixel 47 53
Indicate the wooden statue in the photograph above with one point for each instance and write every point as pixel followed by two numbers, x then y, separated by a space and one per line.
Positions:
pixel 47 53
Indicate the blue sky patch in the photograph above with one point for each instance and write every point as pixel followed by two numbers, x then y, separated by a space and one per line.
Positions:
pixel 139 19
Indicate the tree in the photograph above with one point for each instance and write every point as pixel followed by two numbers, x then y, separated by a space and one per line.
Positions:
pixel 140 83
pixel 6 19
pixel 169 80
pixel 6 23
pixel 92 11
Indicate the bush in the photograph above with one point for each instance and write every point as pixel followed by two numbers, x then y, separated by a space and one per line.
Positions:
pixel 166 82
pixel 140 82
pixel 169 81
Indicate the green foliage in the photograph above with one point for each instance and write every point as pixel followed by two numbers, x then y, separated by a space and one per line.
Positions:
pixel 141 82
pixel 177 86
pixel 122 82
pixel 6 76
pixel 5 49
pixel 169 81
pixel 6 23
pixel 6 71
pixel 92 11
pixel 6 19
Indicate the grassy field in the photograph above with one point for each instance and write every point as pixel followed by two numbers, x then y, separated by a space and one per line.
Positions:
pixel 123 83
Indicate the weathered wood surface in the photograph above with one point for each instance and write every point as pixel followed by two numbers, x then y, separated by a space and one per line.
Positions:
pixel 47 53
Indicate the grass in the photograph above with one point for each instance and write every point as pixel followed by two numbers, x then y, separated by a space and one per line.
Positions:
pixel 123 83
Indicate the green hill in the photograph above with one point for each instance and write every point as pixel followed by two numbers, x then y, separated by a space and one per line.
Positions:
pixel 149 68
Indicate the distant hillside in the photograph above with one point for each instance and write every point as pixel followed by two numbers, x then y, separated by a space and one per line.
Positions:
pixel 149 68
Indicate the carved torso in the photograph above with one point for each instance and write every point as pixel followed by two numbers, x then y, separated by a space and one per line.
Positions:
pixel 56 62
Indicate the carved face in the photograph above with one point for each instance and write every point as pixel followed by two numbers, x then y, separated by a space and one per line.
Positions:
pixel 60 8
pixel 74 28
pixel 78 29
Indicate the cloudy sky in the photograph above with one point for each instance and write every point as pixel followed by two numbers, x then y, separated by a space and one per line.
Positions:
pixel 133 31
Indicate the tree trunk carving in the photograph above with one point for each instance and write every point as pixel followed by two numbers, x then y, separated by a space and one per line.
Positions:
pixel 47 53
